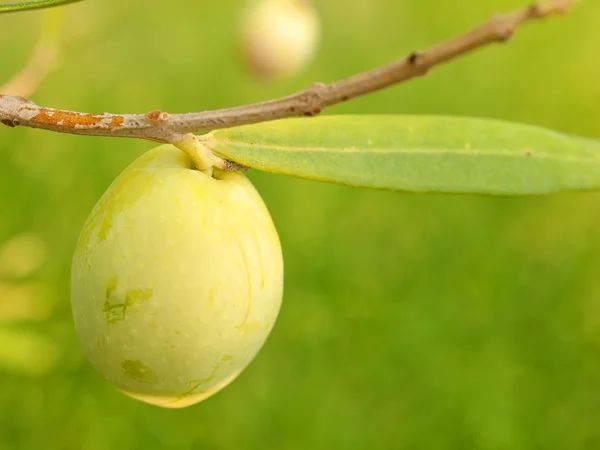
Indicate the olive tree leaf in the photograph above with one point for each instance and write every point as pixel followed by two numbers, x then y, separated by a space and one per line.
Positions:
pixel 416 153
pixel 24 6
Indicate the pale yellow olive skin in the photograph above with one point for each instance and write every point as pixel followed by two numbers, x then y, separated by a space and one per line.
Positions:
pixel 177 280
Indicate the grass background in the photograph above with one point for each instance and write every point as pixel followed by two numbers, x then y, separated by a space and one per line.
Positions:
pixel 408 322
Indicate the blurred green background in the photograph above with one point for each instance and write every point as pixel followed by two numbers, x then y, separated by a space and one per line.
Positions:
pixel 408 322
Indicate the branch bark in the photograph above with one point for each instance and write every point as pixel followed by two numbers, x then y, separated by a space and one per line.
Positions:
pixel 162 127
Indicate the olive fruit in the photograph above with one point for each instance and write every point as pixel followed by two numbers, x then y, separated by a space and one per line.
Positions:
pixel 177 279
pixel 278 37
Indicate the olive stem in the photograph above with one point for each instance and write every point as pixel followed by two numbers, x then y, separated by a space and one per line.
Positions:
pixel 161 127
pixel 202 157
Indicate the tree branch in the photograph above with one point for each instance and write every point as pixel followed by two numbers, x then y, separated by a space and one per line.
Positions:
pixel 43 60
pixel 162 127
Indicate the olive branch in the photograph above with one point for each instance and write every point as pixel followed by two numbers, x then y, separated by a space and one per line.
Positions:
pixel 172 128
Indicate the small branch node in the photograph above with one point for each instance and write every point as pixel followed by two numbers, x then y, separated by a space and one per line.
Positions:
pixel 534 10
pixel 413 58
pixel 157 116
pixel 417 61
pixel 10 122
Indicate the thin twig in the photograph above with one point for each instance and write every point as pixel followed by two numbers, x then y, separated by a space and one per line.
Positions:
pixel 25 82
pixel 43 60
pixel 162 127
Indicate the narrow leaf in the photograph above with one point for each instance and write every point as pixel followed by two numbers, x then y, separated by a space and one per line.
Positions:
pixel 24 6
pixel 416 153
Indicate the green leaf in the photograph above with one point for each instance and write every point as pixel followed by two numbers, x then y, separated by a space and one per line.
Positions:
pixel 416 153
pixel 24 6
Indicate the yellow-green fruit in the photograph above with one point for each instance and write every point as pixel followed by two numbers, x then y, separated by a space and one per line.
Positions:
pixel 177 280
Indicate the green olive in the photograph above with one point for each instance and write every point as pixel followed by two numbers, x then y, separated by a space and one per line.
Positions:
pixel 177 280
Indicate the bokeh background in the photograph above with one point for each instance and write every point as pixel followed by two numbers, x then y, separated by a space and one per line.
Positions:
pixel 408 322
